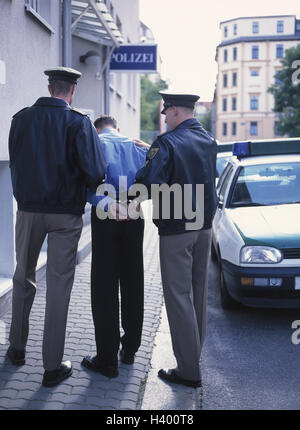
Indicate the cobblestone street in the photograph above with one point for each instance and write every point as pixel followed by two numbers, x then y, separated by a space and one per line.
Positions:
pixel 20 387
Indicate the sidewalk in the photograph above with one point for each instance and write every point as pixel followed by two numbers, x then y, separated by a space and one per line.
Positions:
pixel 137 386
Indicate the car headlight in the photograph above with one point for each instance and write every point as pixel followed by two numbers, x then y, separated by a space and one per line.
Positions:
pixel 260 254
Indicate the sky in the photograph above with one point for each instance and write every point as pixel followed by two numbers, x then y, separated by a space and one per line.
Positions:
pixel 187 33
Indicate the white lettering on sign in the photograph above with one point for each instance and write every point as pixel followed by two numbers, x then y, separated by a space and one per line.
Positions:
pixel 133 58
pixel 2 73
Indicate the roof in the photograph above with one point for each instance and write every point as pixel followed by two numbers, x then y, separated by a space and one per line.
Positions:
pixel 257 17
pixel 252 39
pixel 91 20
pixel 267 159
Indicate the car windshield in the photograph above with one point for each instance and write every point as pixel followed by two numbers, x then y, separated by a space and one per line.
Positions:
pixel 267 184
pixel 221 163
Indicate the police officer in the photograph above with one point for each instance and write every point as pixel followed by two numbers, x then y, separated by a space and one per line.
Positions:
pixel 185 155
pixel 54 155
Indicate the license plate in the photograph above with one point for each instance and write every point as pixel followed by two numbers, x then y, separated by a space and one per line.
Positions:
pixel 297 283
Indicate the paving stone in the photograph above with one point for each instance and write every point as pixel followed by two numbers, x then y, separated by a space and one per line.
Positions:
pixel 84 390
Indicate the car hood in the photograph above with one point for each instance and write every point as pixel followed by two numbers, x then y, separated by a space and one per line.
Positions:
pixel 277 226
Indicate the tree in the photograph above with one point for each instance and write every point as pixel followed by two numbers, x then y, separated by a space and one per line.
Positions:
pixel 287 94
pixel 205 120
pixel 150 98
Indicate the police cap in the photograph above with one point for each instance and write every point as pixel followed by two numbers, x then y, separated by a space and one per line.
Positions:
pixel 177 99
pixel 63 74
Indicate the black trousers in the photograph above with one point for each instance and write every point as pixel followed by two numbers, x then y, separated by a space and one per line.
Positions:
pixel 117 258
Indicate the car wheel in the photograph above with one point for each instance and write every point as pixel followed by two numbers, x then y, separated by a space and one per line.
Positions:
pixel 227 301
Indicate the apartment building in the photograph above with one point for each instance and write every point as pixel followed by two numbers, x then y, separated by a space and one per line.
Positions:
pixel 248 59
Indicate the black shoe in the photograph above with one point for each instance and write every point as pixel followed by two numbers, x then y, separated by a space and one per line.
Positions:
pixel 127 357
pixel 54 377
pixel 171 376
pixel 92 363
pixel 17 357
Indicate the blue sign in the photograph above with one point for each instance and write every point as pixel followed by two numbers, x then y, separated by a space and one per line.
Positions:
pixel 134 58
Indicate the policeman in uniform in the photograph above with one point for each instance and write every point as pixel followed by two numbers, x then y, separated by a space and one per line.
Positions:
pixel 54 155
pixel 185 154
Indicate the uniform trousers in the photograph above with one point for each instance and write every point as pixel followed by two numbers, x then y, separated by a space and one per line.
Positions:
pixel 117 259
pixel 184 269
pixel 63 231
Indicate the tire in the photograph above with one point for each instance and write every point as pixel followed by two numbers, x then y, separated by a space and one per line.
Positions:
pixel 227 302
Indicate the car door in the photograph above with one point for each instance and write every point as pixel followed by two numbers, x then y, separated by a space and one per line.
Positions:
pixel 222 192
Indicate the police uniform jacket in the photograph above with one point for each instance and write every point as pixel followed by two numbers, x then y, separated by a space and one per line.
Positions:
pixel 185 155
pixel 54 155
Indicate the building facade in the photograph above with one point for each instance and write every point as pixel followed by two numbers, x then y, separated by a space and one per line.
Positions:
pixel 39 34
pixel 248 59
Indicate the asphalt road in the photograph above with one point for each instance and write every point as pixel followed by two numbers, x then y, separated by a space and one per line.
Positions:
pixel 249 360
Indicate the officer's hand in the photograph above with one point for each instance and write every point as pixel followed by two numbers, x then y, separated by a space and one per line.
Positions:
pixel 141 143
pixel 118 211
pixel 134 209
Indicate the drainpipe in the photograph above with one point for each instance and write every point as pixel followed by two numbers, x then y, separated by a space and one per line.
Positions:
pixel 67 33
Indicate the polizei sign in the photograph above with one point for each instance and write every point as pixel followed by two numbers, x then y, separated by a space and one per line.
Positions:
pixel 134 58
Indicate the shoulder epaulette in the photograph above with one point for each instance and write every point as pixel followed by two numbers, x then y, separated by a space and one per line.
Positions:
pixel 78 111
pixel 20 111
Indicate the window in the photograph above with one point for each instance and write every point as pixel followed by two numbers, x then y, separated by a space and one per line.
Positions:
pixel 254 102
pixel 41 10
pixel 280 26
pixel 225 80
pixel 253 128
pixel 224 131
pixel 234 54
pixel 255 52
pixel 279 51
pixel 224 105
pixel 276 131
pixel 254 72
pixel 225 31
pixel 225 55
pixel 233 129
pixel 234 79
pixel 233 103
pixel 234 29
pixel 255 27
pixel 224 181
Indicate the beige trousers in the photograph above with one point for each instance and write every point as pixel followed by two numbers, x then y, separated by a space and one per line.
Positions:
pixel 63 231
pixel 184 271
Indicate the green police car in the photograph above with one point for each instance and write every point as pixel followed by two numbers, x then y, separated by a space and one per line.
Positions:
pixel 256 229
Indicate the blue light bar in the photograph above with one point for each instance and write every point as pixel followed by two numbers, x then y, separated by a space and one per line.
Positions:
pixel 266 147
pixel 241 149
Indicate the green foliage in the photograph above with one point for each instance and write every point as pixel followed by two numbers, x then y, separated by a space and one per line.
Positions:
pixel 150 102
pixel 287 95
pixel 205 120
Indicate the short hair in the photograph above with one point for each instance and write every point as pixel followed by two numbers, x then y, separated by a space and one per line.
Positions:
pixel 60 87
pixel 104 121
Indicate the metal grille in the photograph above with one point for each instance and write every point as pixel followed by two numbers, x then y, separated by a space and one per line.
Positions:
pixel 290 253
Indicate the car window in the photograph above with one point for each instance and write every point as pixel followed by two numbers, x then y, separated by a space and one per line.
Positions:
pixel 221 163
pixel 267 184
pixel 226 180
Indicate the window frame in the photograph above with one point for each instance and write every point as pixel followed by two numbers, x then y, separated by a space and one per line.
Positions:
pixel 255 49
pixel 32 10
pixel 251 124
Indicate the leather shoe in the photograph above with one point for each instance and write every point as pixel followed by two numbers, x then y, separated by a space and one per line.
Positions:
pixel 17 357
pixel 54 377
pixel 127 357
pixel 92 363
pixel 170 375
